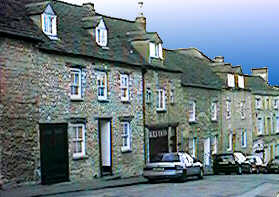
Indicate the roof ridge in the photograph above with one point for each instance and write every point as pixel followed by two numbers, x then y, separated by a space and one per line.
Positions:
pixel 116 18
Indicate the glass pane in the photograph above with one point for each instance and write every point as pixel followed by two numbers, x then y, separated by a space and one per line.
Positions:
pixel 80 132
pixel 125 141
pixel 79 147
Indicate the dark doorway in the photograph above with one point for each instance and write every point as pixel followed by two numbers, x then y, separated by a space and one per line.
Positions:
pixel 158 142
pixel 54 153
pixel 105 146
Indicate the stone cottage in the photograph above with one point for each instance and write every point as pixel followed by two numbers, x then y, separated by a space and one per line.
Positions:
pixel 265 115
pixel 71 93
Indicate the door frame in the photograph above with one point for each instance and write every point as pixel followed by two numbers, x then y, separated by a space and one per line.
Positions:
pixel 42 165
pixel 100 144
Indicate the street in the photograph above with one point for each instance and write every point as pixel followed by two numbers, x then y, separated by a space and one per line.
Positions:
pixel 263 185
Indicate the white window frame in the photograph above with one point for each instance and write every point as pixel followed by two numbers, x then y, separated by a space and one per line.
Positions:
pixel 101 34
pixel 161 100
pixel 243 138
pixel 241 81
pixel 214 111
pixel 78 95
pixel 172 96
pixel 192 111
pixel 156 50
pixel 124 86
pixel 228 109
pixel 258 103
pixel 77 139
pixel 126 136
pixel 102 77
pixel 260 128
pixel 215 145
pixel 231 82
pixel 230 144
pixel 242 110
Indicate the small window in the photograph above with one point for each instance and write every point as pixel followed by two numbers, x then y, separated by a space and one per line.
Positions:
pixel 231 82
pixel 156 50
pixel 244 138
pixel 275 103
pixel 161 102
pixel 49 23
pixel 75 83
pixel 260 126
pixel 228 109
pixel 102 85
pixel 214 111
pixel 148 95
pixel 192 111
pixel 240 81
pixel 124 85
pixel 101 34
pixel 194 147
pixel 126 137
pixel 267 103
pixel 172 96
pixel 78 140
pixel 230 141
pixel 242 110
pixel 258 103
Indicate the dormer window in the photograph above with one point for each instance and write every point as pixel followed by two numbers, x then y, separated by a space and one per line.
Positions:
pixel 241 82
pixel 49 23
pixel 156 50
pixel 230 80
pixel 101 34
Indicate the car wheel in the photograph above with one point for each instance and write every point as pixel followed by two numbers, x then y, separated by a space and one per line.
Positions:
pixel 258 171
pixel 201 174
pixel 239 170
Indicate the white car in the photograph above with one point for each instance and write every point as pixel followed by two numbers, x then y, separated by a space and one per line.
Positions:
pixel 172 166
pixel 257 164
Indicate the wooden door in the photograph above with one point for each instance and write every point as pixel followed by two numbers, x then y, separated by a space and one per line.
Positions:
pixel 54 153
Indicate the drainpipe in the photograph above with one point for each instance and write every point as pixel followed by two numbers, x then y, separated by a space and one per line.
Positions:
pixel 143 115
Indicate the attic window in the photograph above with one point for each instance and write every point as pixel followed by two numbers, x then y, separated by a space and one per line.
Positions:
pixel 101 34
pixel 156 50
pixel 49 26
pixel 230 80
pixel 240 81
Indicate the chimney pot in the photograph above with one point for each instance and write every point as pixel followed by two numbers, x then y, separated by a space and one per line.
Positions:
pixel 219 59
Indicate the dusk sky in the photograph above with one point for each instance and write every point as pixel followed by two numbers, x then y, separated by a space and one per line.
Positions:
pixel 245 32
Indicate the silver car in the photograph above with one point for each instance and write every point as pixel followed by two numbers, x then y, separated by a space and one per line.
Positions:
pixel 172 166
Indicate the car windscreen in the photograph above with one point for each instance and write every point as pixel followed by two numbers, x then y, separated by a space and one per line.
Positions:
pixel 222 158
pixel 167 157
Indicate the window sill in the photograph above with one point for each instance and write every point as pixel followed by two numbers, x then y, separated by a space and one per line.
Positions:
pixel 77 99
pixel 161 110
pixel 214 120
pixel 125 150
pixel 81 157
pixel 103 100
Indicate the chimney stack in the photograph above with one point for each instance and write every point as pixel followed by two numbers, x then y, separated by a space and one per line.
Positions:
pixel 141 20
pixel 219 59
pixel 262 72
pixel 90 7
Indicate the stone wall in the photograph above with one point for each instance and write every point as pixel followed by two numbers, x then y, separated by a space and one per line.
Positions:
pixel 19 111
pixel 236 123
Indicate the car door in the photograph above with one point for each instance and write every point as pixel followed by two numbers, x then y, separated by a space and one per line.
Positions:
pixel 189 164
pixel 195 168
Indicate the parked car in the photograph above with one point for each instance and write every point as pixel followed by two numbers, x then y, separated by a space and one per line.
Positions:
pixel 172 166
pixel 257 164
pixel 231 163
pixel 273 165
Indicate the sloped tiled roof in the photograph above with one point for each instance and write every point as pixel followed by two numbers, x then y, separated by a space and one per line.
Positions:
pixel 14 20
pixel 259 86
pixel 196 71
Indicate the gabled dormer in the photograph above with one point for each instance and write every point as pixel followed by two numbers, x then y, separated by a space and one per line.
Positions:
pixel 155 46
pixel 48 21
pixel 101 34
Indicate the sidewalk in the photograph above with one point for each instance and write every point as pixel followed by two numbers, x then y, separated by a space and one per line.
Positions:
pixel 60 188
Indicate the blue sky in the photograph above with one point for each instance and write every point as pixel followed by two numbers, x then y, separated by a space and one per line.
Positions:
pixel 245 32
